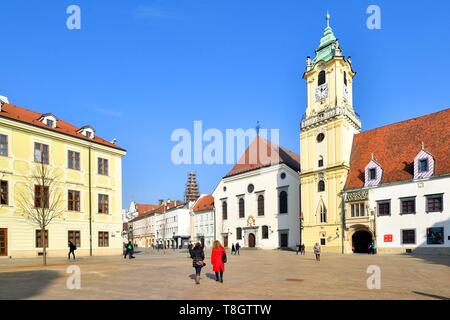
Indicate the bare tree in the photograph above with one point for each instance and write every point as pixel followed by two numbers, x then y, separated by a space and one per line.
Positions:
pixel 41 200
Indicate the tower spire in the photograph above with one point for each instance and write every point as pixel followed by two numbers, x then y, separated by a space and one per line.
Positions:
pixel 328 17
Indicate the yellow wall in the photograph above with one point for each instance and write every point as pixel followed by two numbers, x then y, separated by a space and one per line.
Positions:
pixel 20 164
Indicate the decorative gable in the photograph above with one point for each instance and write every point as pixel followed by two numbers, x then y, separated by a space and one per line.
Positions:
pixel 49 120
pixel 87 131
pixel 423 165
pixel 372 174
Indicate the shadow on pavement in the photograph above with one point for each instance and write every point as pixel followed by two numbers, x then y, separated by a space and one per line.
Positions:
pixel 431 295
pixel 26 284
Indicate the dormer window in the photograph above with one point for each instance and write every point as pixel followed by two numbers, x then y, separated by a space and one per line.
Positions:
pixel 87 131
pixel 373 173
pixel 423 165
pixel 49 120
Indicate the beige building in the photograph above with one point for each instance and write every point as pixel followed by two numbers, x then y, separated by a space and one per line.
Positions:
pixel 88 176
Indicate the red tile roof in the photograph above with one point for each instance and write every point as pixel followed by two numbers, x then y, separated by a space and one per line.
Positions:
pixel 144 208
pixel 204 203
pixel 270 154
pixel 13 112
pixel 164 207
pixel 396 145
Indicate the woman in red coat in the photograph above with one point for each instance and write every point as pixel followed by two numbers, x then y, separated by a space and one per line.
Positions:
pixel 218 259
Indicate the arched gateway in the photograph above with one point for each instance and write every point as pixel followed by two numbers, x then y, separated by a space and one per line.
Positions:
pixel 361 240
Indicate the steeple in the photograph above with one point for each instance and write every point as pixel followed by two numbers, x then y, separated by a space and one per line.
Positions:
pixel 328 43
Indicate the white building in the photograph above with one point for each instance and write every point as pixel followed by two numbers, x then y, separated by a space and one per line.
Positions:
pixel 203 221
pixel 398 188
pixel 258 202
pixel 172 227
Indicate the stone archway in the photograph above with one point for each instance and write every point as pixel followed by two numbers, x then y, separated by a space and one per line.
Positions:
pixel 361 239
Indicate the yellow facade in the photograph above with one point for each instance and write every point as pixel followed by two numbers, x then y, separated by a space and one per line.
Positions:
pixel 20 164
pixel 326 138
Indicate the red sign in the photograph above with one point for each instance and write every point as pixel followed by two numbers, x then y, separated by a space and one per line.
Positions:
pixel 388 238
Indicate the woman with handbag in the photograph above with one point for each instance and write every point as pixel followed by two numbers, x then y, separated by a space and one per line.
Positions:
pixel 198 257
pixel 218 260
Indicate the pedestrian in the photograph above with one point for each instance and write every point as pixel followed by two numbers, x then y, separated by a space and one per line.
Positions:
pixel 238 249
pixel 129 250
pixel 353 248
pixel 72 249
pixel 218 260
pixel 303 250
pixel 233 249
pixel 198 257
pixel 374 247
pixel 317 251
pixel 299 248
pixel 369 250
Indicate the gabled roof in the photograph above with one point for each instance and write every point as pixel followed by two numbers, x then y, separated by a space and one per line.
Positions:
pixel 13 112
pixel 395 147
pixel 204 203
pixel 160 208
pixel 272 154
pixel 144 208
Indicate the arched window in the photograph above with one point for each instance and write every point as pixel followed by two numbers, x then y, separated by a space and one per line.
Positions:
pixel 323 214
pixel 283 202
pixel 241 208
pixel 238 233
pixel 345 78
pixel 224 210
pixel 322 78
pixel 321 186
pixel 265 232
pixel 320 162
pixel 260 205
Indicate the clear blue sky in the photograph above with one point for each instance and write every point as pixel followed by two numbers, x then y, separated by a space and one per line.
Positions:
pixel 137 70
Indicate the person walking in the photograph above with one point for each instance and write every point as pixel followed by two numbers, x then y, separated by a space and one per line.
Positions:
pixel 302 250
pixel 374 247
pixel 317 251
pixel 129 250
pixel 218 260
pixel 238 249
pixel 72 249
pixel 233 249
pixel 198 257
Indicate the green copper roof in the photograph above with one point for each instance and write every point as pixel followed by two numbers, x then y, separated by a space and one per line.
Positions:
pixel 327 46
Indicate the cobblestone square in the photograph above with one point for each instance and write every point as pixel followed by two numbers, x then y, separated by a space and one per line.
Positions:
pixel 255 275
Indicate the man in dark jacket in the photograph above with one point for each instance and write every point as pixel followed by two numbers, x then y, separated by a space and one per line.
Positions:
pixel 72 249
pixel 129 251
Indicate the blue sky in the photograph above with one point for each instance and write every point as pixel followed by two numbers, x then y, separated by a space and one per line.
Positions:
pixel 137 70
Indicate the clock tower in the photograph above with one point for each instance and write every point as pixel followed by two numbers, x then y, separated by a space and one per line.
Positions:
pixel 326 137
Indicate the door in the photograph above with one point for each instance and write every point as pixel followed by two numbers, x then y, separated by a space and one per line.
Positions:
pixel 251 240
pixel 3 242
pixel 283 240
pixel 225 241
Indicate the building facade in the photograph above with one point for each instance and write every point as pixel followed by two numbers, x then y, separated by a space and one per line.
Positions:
pixel 173 227
pixel 326 135
pixel 397 190
pixel 258 203
pixel 203 221
pixel 88 179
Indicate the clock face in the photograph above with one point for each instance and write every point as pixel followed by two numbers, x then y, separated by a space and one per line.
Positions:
pixel 345 93
pixel 322 92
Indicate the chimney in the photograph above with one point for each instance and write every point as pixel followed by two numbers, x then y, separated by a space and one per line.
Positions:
pixel 3 100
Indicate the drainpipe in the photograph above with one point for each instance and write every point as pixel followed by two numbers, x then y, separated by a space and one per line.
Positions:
pixel 90 204
pixel 214 215
pixel 344 195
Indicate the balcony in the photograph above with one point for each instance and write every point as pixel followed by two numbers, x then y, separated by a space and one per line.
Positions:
pixel 328 114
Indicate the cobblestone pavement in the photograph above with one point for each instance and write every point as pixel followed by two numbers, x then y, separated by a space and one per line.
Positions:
pixel 255 274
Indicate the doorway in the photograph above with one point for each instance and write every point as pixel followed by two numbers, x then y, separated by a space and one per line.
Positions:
pixel 251 240
pixel 284 242
pixel 225 241
pixel 361 240
pixel 3 242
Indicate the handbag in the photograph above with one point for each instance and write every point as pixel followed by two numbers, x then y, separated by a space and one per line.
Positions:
pixel 224 257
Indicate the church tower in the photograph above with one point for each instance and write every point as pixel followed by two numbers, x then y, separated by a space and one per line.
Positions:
pixel 326 137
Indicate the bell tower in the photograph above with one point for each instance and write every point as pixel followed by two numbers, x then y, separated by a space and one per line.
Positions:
pixel 326 137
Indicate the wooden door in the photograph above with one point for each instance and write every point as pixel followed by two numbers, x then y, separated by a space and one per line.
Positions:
pixel 3 242
pixel 225 241
pixel 284 240
pixel 251 240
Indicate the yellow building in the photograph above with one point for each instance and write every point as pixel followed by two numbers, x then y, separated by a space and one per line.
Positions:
pixel 327 131
pixel 89 176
